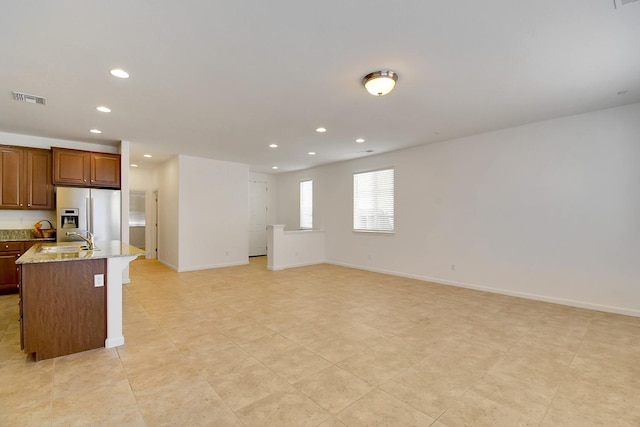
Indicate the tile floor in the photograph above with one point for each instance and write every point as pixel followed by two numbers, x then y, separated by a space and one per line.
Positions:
pixel 329 346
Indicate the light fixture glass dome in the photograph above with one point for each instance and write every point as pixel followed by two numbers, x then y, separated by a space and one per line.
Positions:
pixel 380 83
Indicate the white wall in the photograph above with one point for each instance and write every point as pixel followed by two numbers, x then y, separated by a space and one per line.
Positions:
pixel 23 219
pixel 168 213
pixel 288 198
pixel 46 143
pixel 549 210
pixel 213 213
pixel 288 249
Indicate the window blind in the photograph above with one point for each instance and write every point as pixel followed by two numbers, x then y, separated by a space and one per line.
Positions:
pixel 306 204
pixel 373 201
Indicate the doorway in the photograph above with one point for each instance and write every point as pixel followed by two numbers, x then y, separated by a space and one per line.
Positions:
pixel 137 218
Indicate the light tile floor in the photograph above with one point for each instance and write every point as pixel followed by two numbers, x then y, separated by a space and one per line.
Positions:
pixel 329 346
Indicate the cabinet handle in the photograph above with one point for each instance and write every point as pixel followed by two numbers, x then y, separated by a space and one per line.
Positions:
pixel 6 246
pixel 29 204
pixel 20 204
pixel 84 180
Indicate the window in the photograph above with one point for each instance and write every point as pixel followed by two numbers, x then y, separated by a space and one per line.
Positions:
pixel 306 204
pixel 373 201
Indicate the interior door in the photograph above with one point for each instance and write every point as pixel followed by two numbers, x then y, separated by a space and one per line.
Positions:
pixel 257 218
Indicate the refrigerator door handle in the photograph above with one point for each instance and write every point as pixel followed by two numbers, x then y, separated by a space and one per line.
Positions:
pixel 88 214
pixel 91 216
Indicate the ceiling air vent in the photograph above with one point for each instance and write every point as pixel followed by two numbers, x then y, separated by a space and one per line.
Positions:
pixel 30 99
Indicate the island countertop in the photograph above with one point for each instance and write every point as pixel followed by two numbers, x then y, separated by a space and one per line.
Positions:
pixel 105 249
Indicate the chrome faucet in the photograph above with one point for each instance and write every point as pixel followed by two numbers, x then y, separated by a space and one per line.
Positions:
pixel 88 239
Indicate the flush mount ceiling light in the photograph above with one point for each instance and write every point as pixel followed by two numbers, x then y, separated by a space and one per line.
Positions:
pixel 95 131
pixel 103 109
pixel 122 74
pixel 273 145
pixel 147 156
pixel 380 82
pixel 360 140
pixel 321 130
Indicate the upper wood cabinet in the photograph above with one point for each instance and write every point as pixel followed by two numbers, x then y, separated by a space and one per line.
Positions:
pixel 85 168
pixel 25 178
pixel 39 186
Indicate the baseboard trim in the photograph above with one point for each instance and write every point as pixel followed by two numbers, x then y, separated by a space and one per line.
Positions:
pixel 166 264
pixel 536 297
pixel 114 342
pixel 284 267
pixel 212 266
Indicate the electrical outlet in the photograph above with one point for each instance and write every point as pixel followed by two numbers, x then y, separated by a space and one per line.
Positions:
pixel 98 280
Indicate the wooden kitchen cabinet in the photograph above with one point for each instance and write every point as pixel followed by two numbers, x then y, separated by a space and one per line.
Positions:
pixel 62 311
pixel 85 168
pixel 9 271
pixel 25 178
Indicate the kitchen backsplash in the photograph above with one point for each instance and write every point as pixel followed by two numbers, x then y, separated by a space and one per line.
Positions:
pixel 16 234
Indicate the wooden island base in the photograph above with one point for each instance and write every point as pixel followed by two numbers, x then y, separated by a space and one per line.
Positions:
pixel 62 311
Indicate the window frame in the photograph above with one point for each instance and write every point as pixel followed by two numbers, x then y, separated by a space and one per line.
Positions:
pixel 302 213
pixel 376 217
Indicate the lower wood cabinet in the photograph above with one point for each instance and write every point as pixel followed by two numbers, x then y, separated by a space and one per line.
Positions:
pixel 62 312
pixel 9 271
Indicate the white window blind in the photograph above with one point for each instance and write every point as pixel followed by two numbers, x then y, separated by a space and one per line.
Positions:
pixel 373 201
pixel 306 204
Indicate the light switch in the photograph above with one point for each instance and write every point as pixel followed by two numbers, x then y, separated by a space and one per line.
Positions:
pixel 98 280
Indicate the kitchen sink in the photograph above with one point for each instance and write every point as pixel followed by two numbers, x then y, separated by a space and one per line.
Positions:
pixel 62 249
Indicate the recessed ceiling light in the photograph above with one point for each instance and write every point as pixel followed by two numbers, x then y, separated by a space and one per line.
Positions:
pixel 312 153
pixel 95 131
pixel 360 140
pixel 103 109
pixel 122 74
pixel 133 165
pixel 320 130
pixel 274 167
pixel 148 155
pixel 273 145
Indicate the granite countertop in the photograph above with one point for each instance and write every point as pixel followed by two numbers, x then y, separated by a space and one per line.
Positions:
pixel 106 249
pixel 22 236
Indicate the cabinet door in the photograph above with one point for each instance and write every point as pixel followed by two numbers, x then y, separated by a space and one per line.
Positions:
pixel 105 170
pixel 9 271
pixel 70 167
pixel 39 191
pixel 11 177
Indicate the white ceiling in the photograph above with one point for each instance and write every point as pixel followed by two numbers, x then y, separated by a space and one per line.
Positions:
pixel 224 79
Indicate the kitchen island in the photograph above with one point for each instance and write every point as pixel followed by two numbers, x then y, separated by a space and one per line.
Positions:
pixel 71 297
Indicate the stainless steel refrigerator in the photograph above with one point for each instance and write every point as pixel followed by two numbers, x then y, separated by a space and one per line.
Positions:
pixel 88 209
